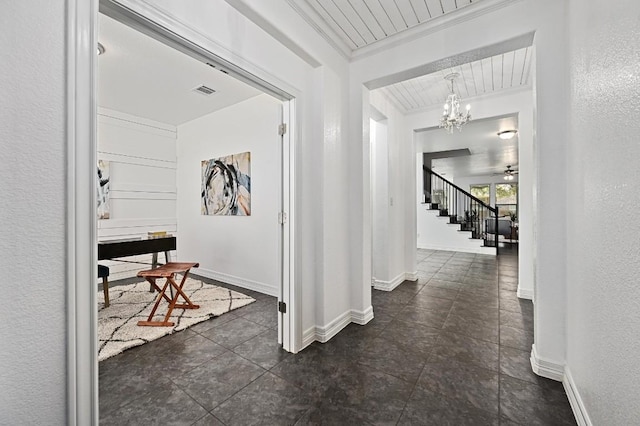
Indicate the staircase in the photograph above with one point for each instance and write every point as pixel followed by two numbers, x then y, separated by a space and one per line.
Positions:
pixel 456 219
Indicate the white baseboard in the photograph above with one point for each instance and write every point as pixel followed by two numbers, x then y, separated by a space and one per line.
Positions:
pixel 546 368
pixel 389 285
pixel 579 410
pixel 240 282
pixel 362 317
pixel 411 276
pixel 323 334
pixel 524 293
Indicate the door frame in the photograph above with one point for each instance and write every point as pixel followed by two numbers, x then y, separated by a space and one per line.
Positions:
pixel 82 335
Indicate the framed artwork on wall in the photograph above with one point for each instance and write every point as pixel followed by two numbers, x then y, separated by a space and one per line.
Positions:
pixel 104 188
pixel 226 185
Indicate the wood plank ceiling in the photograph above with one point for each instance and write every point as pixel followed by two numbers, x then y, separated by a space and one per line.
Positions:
pixel 359 23
pixel 489 75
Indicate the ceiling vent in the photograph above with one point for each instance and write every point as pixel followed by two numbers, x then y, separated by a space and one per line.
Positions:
pixel 204 90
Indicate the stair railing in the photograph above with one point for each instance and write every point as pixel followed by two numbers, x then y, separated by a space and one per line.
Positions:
pixel 462 208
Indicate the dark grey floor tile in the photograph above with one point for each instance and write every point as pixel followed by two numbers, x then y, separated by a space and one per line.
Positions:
pixel 216 380
pixel 426 300
pixel 520 305
pixel 508 295
pixel 428 317
pixel 313 369
pixel 263 349
pixel 412 337
pixel 478 301
pixel 412 287
pixel 234 332
pixel 516 363
pixel 213 322
pixel 375 397
pixel 529 404
pixel 209 420
pixel 516 338
pixel 371 329
pixel 390 297
pixel 474 311
pixel 159 406
pixel 467 350
pixel 449 276
pixel 269 400
pixel 267 317
pixel 473 327
pixel 439 283
pixel 441 293
pixel 326 414
pixel 474 385
pixel 516 320
pixel 428 408
pixel 392 358
pixel 185 355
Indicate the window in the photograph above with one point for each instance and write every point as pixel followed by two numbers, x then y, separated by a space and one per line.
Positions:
pixel 481 192
pixel 507 200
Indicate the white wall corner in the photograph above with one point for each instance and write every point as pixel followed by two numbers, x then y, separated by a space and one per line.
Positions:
pixel 579 410
pixel 546 368
pixel 362 317
pixel 389 285
pixel 524 293
pixel 237 281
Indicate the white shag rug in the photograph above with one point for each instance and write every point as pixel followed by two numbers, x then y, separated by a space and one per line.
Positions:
pixel 118 327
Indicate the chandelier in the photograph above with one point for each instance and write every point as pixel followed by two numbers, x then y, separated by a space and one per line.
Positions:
pixel 452 116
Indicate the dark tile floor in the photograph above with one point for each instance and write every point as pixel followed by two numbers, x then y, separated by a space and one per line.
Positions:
pixel 450 349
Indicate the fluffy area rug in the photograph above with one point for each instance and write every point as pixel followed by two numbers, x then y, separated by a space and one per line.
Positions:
pixel 118 328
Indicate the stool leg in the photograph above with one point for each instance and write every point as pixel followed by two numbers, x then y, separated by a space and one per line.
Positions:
pixel 105 289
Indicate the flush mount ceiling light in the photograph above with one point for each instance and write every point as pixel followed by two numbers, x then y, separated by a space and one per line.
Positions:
pixel 452 117
pixel 507 134
pixel 100 49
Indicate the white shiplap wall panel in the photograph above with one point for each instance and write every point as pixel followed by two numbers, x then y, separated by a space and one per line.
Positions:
pixel 496 64
pixel 526 67
pixel 142 163
pixel 508 66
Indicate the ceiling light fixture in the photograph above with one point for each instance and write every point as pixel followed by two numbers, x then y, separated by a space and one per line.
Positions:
pixel 100 49
pixel 508 174
pixel 507 134
pixel 451 116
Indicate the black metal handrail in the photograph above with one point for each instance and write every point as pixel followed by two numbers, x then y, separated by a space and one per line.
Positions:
pixel 468 194
pixel 452 200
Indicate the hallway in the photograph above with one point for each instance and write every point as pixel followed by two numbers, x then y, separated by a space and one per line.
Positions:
pixel 451 348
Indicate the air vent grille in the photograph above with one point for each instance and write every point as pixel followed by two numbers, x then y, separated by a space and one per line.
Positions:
pixel 204 90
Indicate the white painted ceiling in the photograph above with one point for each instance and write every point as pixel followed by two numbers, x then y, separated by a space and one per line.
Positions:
pixel 359 23
pixel 482 77
pixel 141 76
pixel 489 154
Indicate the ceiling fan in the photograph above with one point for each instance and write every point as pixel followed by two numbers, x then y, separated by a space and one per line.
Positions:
pixel 509 173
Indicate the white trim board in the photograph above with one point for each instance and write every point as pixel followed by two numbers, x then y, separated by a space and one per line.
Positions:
pixel 577 405
pixel 325 333
pixel 546 368
pixel 395 282
pixel 524 294
pixel 237 281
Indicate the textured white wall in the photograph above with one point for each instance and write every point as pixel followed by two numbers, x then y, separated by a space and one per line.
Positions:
pixel 32 189
pixel 380 200
pixel 603 203
pixel 239 250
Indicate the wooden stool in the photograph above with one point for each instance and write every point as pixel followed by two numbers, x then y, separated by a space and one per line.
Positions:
pixel 168 271
pixel 103 272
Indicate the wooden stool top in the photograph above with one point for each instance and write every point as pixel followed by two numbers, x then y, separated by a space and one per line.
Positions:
pixel 168 270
